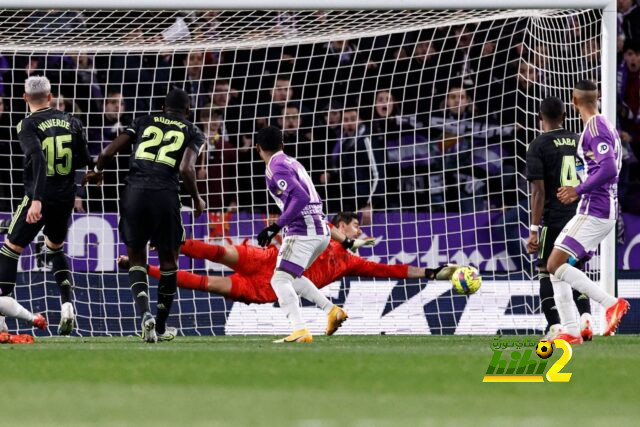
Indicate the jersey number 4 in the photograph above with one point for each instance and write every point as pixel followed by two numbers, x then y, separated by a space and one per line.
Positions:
pixel 168 142
pixel 58 156
pixel 569 175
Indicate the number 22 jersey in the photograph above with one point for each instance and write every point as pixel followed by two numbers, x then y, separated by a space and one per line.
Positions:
pixel 160 142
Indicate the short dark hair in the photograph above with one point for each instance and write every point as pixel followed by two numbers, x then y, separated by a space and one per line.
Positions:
pixel 177 100
pixel 631 44
pixel 586 85
pixel 346 217
pixel 269 138
pixel 552 108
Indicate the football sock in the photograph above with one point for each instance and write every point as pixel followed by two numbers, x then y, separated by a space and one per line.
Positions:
pixel 547 302
pixel 307 290
pixel 200 250
pixel 582 302
pixel 139 288
pixel 11 308
pixel 8 269
pixel 184 279
pixel 580 282
pixel 166 293
pixel 564 304
pixel 61 272
pixel 282 284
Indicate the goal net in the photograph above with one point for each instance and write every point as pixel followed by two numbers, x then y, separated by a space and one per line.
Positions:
pixel 418 120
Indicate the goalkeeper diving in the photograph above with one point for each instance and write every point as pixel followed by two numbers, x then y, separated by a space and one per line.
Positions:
pixel 253 267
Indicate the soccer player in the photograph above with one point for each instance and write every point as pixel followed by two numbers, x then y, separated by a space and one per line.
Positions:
pixel 306 230
pixel 163 145
pixel 253 267
pixel 551 163
pixel 54 146
pixel 599 151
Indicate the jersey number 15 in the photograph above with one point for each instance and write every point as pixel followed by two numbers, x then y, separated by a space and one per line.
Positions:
pixel 58 156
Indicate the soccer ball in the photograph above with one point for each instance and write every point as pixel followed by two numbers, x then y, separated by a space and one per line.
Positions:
pixel 466 280
pixel 544 349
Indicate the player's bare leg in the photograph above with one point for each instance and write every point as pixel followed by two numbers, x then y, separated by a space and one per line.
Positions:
pixel 226 255
pixel 140 291
pixel 62 274
pixel 282 284
pixel 335 315
pixel 562 274
pixel 219 285
pixel 9 256
pixel 166 292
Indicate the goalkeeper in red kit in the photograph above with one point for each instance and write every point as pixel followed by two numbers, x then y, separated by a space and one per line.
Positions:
pixel 253 267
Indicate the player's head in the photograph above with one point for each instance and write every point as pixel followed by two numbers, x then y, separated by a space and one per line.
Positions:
pixel 347 223
pixel 268 141
pixel 37 91
pixel 552 113
pixel 177 102
pixel 631 52
pixel 585 94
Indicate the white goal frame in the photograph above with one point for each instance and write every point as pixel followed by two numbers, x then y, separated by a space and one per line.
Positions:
pixel 607 45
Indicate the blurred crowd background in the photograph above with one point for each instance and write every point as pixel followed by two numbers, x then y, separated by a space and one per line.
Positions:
pixel 432 120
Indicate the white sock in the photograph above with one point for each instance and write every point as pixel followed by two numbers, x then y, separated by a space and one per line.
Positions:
pixel 564 304
pixel 580 282
pixel 282 284
pixel 11 308
pixel 306 289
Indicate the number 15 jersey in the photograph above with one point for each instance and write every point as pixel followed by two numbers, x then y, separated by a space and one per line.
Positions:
pixel 61 139
pixel 160 142
pixel 551 157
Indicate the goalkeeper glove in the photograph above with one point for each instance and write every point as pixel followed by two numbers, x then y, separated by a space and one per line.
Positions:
pixel 355 244
pixel 265 236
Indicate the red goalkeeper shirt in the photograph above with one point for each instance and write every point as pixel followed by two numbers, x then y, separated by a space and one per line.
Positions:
pixel 336 262
pixel 251 281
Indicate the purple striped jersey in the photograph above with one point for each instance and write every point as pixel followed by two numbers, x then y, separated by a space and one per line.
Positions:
pixel 294 193
pixel 598 141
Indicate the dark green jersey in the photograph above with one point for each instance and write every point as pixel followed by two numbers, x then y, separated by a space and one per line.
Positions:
pixel 160 142
pixel 57 141
pixel 551 157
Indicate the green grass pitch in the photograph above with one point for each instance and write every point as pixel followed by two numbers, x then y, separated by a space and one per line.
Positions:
pixel 338 381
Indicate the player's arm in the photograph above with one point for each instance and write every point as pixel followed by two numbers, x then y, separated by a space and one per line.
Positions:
pixel 353 244
pixel 535 175
pixel 188 174
pixel 602 148
pixel 32 149
pixel 81 160
pixel 81 156
pixel 117 145
pixel 296 200
pixel 537 206
pixel 363 268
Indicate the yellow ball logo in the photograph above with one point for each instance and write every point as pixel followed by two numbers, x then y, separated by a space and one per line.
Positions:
pixel 544 349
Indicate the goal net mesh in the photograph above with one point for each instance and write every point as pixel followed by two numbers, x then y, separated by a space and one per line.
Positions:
pixel 418 120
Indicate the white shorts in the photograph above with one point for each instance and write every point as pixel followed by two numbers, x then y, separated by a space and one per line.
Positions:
pixel 583 234
pixel 297 253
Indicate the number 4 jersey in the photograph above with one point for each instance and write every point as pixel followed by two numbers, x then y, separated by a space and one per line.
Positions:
pixel 61 139
pixel 160 142
pixel 551 157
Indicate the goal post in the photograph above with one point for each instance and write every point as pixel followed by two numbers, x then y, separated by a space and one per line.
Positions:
pixel 473 221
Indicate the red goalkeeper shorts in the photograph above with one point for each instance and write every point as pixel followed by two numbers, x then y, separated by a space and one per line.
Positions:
pixel 251 282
